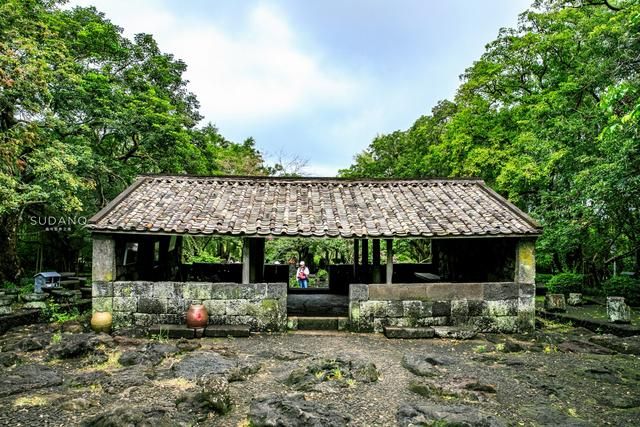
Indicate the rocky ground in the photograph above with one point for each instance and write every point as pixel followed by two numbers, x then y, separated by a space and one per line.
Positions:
pixel 558 376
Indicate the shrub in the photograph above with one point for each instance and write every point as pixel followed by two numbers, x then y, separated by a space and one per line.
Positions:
pixel 623 286
pixel 322 274
pixel 543 278
pixel 564 283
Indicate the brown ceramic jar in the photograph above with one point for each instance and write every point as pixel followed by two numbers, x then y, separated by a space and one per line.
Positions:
pixel 101 321
pixel 197 316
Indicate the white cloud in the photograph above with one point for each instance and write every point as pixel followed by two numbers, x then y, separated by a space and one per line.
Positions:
pixel 256 75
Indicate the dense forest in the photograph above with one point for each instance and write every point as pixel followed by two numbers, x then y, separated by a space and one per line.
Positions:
pixel 83 110
pixel 548 116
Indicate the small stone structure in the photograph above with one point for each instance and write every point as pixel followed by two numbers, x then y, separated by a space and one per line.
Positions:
pixel 574 299
pixel 617 310
pixel 555 302
pixel 262 306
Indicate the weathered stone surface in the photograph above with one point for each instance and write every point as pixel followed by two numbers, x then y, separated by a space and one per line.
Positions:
pixel 29 343
pixel 617 310
pixel 34 297
pixel 501 291
pixel 28 377
pixel 454 332
pixel 213 395
pixel 227 331
pixel 135 289
pixel 200 291
pixel 453 291
pixel 276 290
pixel 424 365
pixel 581 346
pixel 460 308
pixel 626 345
pixel 240 307
pixel 40 305
pixel 8 358
pixel 104 259
pixel 293 410
pixel 555 302
pixel 358 292
pixel 6 310
pixel 171 331
pixel 525 262
pixel 130 415
pixel 199 363
pixel 444 415
pixel 408 333
pixel 441 308
pixel 75 345
pixel 574 299
pixel 126 304
pixel 337 373
pixel 102 304
pixel 166 290
pixel 177 306
pixel 152 305
pixel 318 323
pixel 373 308
pixel 215 307
pixel 416 309
pixel 502 307
pixel 145 319
pixel 477 308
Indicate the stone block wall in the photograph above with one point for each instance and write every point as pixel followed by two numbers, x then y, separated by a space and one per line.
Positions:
pixel 262 306
pixel 488 307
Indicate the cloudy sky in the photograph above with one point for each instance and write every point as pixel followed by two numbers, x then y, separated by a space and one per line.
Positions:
pixel 317 79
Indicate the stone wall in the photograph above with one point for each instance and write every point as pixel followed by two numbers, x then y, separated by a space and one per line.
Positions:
pixel 262 306
pixel 488 307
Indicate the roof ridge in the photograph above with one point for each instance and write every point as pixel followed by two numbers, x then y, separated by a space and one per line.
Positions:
pixel 309 178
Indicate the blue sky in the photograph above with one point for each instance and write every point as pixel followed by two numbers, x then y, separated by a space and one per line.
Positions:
pixel 317 80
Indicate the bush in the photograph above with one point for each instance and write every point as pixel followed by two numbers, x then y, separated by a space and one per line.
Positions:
pixel 623 286
pixel 322 274
pixel 564 283
pixel 543 278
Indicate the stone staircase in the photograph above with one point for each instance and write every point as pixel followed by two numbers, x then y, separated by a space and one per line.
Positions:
pixel 317 323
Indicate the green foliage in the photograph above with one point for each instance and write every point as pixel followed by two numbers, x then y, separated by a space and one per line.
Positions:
pixel 206 258
pixel 623 286
pixel 549 117
pixel 322 274
pixel 55 313
pixel 9 286
pixel 542 278
pixel 84 110
pixel 564 283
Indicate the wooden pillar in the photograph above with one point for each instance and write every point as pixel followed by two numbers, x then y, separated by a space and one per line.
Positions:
pixel 389 261
pixel 365 262
pixel 356 254
pixel 246 271
pixel 256 260
pixel 376 260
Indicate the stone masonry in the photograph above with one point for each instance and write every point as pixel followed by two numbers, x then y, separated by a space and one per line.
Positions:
pixel 488 307
pixel 261 306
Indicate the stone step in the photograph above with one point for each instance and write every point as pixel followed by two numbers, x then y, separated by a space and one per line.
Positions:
pixel 182 331
pixel 308 323
pixel 227 331
pixel 408 333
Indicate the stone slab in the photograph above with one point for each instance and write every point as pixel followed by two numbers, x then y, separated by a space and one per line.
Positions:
pixel 408 333
pixel 318 323
pixel 172 331
pixel 226 331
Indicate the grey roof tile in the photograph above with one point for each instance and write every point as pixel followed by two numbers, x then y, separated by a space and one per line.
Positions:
pixel 319 207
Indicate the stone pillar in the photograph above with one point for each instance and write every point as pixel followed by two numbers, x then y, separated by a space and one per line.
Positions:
pixel 246 261
pixel 104 259
pixel 617 310
pixel 389 261
pixel 525 279
pixel 525 262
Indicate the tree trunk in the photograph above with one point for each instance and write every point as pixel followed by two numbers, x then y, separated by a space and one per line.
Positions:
pixel 9 262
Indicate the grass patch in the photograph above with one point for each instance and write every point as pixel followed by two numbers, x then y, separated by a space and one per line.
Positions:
pixel 30 401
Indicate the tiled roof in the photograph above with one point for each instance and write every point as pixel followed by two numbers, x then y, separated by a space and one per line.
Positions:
pixel 321 207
